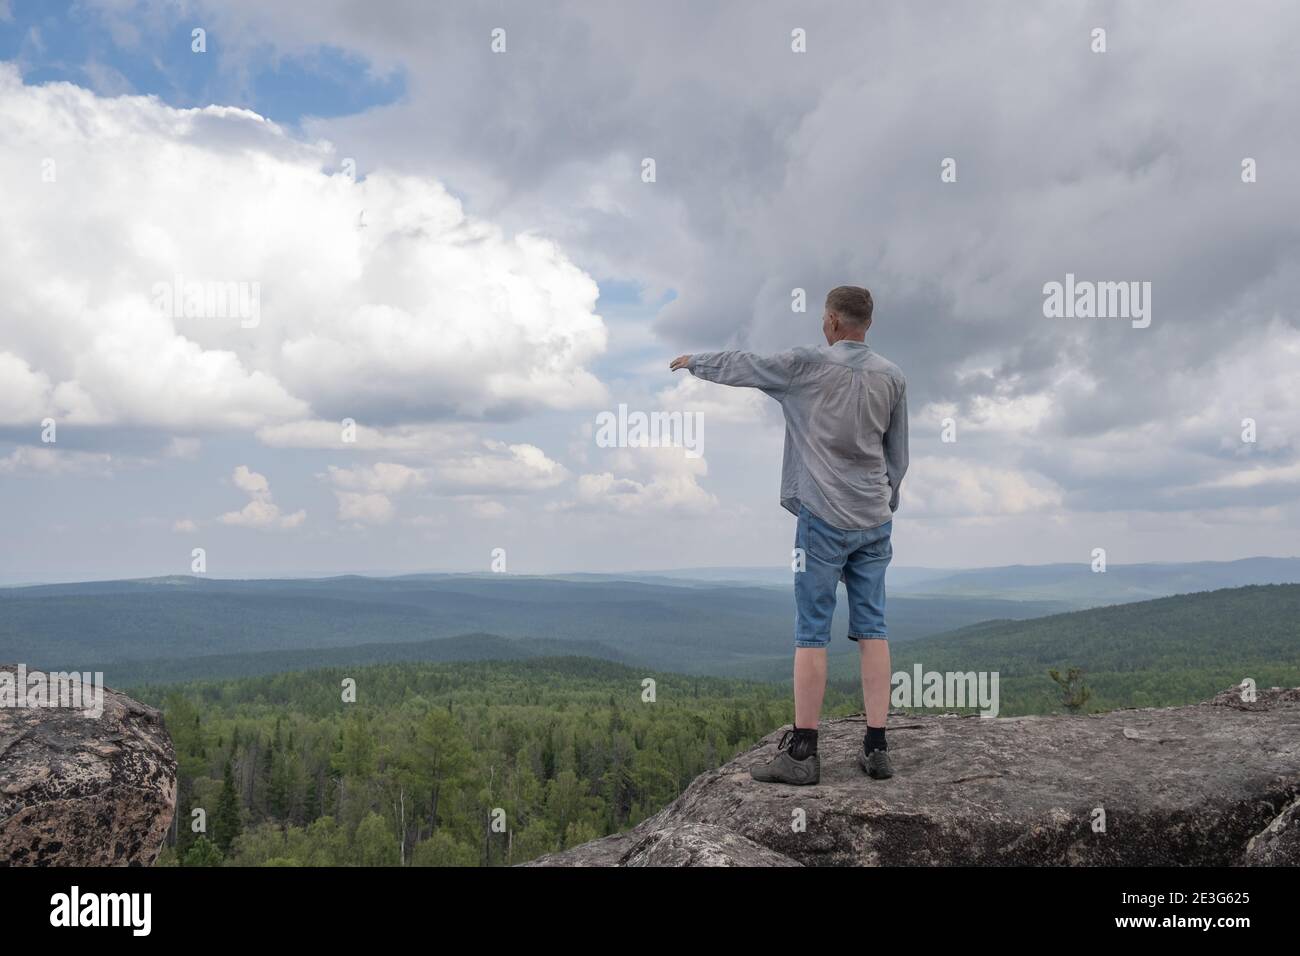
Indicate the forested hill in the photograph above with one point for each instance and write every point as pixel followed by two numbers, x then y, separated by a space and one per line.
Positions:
pixel 1173 650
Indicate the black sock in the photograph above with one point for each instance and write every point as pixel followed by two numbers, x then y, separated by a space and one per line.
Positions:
pixel 804 744
pixel 874 740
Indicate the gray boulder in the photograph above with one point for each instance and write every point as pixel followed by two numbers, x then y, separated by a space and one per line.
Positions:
pixel 1214 783
pixel 85 791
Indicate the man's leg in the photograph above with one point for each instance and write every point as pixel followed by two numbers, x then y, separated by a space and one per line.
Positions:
pixel 796 761
pixel 864 576
pixel 875 681
pixel 823 550
pixel 810 685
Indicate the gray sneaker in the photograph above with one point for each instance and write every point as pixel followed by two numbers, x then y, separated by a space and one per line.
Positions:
pixel 784 768
pixel 876 764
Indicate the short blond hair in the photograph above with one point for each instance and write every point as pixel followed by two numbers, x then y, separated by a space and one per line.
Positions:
pixel 851 303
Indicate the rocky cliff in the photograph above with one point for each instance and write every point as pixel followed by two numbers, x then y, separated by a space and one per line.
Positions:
pixel 78 790
pixel 1213 783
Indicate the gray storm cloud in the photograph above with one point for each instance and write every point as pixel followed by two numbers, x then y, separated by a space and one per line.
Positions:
pixel 779 170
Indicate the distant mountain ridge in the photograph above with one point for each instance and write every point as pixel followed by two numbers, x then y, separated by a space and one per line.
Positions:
pixel 724 629
pixel 1078 584
pixel 1075 583
pixel 182 627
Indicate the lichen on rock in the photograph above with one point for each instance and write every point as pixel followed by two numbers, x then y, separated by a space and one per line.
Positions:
pixel 77 790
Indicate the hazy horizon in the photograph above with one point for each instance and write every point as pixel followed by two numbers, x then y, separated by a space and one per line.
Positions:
pixel 682 572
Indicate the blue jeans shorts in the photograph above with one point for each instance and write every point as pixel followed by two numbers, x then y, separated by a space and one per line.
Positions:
pixel 831 554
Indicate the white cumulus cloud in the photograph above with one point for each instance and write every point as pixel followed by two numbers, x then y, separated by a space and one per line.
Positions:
pixel 261 511
pixel 953 487
pixel 380 299
pixel 500 467
pixel 383 476
pixel 361 508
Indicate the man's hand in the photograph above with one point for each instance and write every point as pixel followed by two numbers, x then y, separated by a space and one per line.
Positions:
pixel 680 362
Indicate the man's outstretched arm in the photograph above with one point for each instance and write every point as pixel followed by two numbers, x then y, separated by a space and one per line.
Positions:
pixel 770 373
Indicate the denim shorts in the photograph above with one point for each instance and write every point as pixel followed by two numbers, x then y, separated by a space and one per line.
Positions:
pixel 831 554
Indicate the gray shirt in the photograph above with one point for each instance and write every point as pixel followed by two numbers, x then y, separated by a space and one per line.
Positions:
pixel 845 425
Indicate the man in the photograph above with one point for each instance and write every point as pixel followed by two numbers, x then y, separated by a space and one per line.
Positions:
pixel 845 456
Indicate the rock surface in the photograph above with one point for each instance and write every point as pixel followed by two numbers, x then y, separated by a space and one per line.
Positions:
pixel 84 791
pixel 1212 783
pixel 1278 844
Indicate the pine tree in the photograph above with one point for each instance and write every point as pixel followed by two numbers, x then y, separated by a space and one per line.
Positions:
pixel 202 853
pixel 226 824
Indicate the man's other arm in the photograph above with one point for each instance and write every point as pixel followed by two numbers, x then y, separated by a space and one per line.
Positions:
pixel 770 373
pixel 894 442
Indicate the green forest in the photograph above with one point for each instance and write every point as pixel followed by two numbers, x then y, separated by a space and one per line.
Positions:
pixel 484 763
pixel 496 762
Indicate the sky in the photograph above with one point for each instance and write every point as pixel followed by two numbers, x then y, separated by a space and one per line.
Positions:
pixel 347 287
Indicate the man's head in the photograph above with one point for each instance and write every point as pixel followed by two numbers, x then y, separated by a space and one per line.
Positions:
pixel 848 314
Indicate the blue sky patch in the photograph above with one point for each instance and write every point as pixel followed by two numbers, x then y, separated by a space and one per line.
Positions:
pixel 66 41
